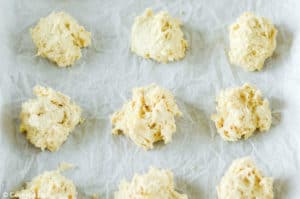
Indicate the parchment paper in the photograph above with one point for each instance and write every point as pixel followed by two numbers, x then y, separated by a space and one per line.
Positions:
pixel 102 81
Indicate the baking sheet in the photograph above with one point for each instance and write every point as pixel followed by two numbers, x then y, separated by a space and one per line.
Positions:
pixel 102 81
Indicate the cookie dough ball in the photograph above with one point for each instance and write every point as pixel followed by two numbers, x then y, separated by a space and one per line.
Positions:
pixel 48 119
pixel 149 117
pixel 156 184
pixel 252 41
pixel 244 181
pixel 59 38
pixel 240 111
pixel 49 185
pixel 158 37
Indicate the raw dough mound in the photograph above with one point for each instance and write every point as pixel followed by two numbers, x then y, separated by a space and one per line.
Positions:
pixel 149 117
pixel 244 181
pixel 158 37
pixel 48 119
pixel 49 185
pixel 240 111
pixel 156 184
pixel 252 41
pixel 59 38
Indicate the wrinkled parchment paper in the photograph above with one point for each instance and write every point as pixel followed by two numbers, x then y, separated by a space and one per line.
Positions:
pixel 102 81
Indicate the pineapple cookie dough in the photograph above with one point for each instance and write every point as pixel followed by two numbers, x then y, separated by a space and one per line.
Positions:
pixel 158 37
pixel 156 184
pixel 252 41
pixel 149 117
pixel 48 119
pixel 240 111
pixel 60 38
pixel 49 185
pixel 244 181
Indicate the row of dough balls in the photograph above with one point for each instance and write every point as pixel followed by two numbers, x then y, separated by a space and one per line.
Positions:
pixel 60 38
pixel 243 180
pixel 147 118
